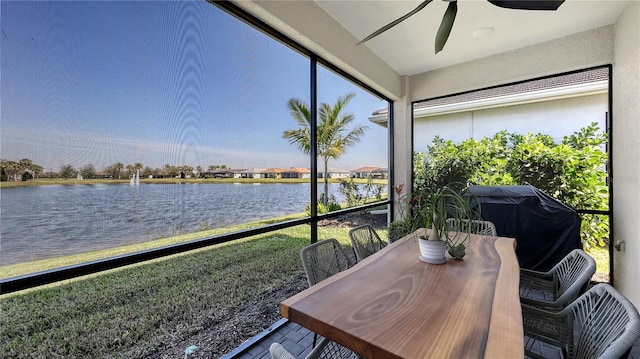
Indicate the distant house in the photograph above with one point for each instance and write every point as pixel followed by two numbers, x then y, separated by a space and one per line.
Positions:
pixel 253 173
pixel 333 172
pixel 381 173
pixel 223 173
pixel 296 172
pixel 237 173
pixel 273 172
pixel 365 172
pixel 219 173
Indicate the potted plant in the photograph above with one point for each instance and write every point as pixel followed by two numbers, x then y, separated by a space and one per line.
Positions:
pixel 430 208
pixel 433 207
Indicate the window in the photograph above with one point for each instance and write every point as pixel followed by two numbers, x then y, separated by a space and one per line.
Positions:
pixel 128 126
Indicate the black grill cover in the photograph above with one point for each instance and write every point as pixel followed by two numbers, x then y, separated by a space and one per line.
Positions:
pixel 545 229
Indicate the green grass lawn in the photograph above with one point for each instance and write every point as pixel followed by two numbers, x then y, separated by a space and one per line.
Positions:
pixel 601 256
pixel 133 311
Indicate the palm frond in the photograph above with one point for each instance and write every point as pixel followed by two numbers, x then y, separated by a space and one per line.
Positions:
pixel 299 111
pixel 300 137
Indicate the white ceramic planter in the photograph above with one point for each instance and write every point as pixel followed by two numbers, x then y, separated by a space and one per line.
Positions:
pixel 432 251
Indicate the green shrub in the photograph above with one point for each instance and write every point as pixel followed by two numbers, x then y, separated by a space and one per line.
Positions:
pixel 572 171
pixel 356 196
pixel 331 206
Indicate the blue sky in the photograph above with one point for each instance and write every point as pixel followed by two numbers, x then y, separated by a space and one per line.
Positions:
pixel 158 83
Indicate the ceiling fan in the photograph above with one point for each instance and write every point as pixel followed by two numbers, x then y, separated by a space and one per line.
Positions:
pixel 450 15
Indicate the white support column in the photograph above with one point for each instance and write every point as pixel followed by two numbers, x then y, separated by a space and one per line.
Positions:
pixel 403 151
pixel 626 152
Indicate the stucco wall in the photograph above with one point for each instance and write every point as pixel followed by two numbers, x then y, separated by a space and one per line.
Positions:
pixel 557 118
pixel 626 151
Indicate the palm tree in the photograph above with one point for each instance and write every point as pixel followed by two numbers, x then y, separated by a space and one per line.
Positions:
pixel 10 168
pixel 37 169
pixel 332 134
pixel 115 170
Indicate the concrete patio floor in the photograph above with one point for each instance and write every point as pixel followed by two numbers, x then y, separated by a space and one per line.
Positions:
pixel 298 341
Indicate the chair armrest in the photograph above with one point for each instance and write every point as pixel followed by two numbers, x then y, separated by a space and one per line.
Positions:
pixel 542 313
pixel 537 286
pixel 549 305
pixel 534 273
pixel 548 326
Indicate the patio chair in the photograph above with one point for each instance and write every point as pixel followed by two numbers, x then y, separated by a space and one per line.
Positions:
pixel 601 323
pixel 484 228
pixel 365 241
pixel 559 286
pixel 325 349
pixel 323 259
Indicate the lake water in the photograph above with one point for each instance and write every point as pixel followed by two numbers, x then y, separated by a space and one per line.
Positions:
pixel 49 221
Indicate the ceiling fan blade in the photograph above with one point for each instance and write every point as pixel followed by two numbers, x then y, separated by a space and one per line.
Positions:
pixel 395 22
pixel 446 25
pixel 528 4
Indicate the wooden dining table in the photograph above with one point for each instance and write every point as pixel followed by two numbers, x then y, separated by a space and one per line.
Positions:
pixel 393 305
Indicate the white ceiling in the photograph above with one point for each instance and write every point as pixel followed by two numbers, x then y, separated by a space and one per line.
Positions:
pixel 409 47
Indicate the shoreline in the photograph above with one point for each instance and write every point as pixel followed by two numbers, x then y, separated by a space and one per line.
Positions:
pixel 42 264
pixel 69 182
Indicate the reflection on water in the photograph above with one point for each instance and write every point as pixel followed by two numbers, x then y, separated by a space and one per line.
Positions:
pixel 49 221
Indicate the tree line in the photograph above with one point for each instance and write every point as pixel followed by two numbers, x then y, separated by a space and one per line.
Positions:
pixel 25 169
